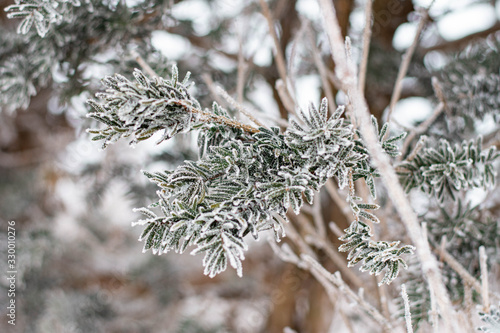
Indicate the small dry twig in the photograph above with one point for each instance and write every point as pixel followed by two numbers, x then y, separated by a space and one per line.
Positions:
pixel 409 328
pixel 221 92
pixel 322 70
pixel 144 65
pixel 367 36
pixel 398 86
pixel 382 162
pixel 335 279
pixel 484 279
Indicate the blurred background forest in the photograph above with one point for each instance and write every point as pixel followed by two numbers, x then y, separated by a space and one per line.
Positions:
pixel 81 268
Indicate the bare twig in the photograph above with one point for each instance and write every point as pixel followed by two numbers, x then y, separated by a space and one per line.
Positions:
pixel 457 267
pixel 318 217
pixel 346 321
pixel 211 87
pixel 420 144
pixel 237 106
pixel 409 328
pixel 339 201
pixel 367 36
pixel 284 252
pixel 293 53
pixel 318 270
pixel 144 65
pixel 294 235
pixel 316 240
pixel 484 279
pixel 382 162
pixel 434 312
pixel 280 58
pixel 405 63
pixel 469 306
pixel 426 124
pixel 459 44
pixel 242 70
pixel 335 229
pixel 421 129
pixel 322 70
pixel 211 117
pixel 285 96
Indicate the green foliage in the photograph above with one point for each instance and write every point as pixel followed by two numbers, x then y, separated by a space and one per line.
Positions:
pixel 466 228
pixel 364 169
pixel 471 81
pixel 246 178
pixel 492 320
pixel 417 289
pixel 140 109
pixel 70 45
pixel 21 74
pixel 41 13
pixel 447 169
pixel 375 257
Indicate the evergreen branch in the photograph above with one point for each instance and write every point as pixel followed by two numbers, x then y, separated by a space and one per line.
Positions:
pixel 471 82
pixel 403 68
pixel 374 256
pixel 244 183
pixel 492 320
pixel 41 13
pixel 140 109
pixel 448 169
pixel 381 160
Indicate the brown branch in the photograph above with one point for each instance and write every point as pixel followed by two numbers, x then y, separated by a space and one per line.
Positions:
pixel 461 43
pixel 280 58
pixel 209 117
pixel 403 68
pixel 382 162
pixel 144 65
pixel 322 69
pixel 367 34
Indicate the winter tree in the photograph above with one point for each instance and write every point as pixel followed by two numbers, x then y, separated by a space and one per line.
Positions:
pixel 330 165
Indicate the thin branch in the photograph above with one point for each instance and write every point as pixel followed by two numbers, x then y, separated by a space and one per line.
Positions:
pixel 337 281
pixel 484 279
pixel 242 70
pixel 285 96
pixel 144 65
pixel 469 306
pixel 284 252
pixel 335 229
pixel 459 44
pixel 382 162
pixel 433 313
pixel 318 217
pixel 457 267
pixel 409 328
pixel 293 53
pixel 237 106
pixel 339 201
pixel 211 87
pixel 346 321
pixel 334 79
pixel 367 36
pixel 280 59
pixel 209 117
pixel 421 129
pixel 294 235
pixel 314 239
pixel 322 69
pixel 398 86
